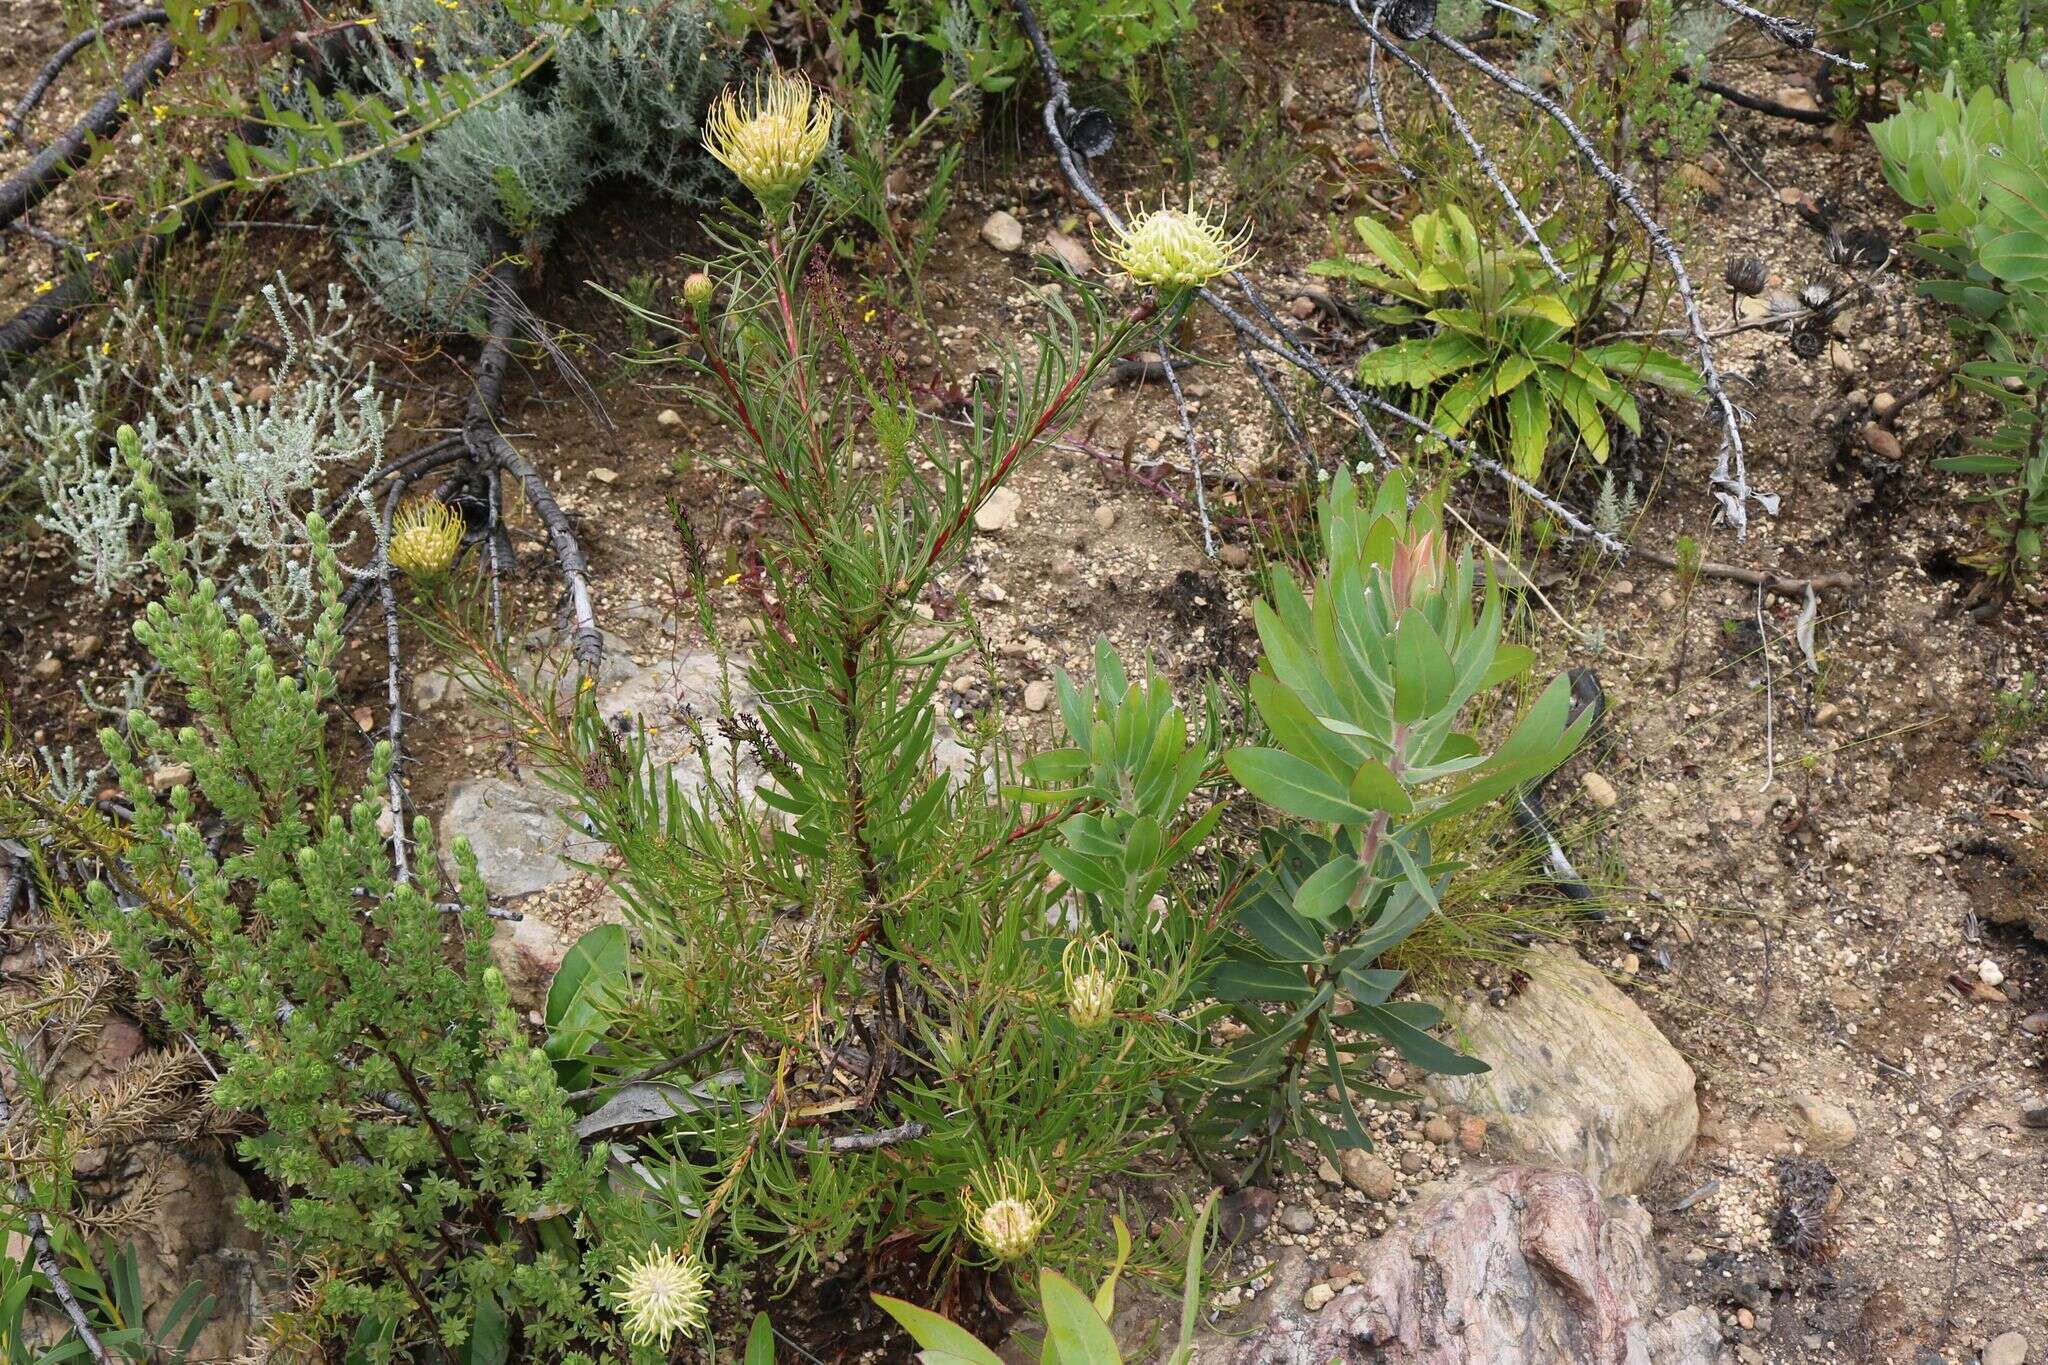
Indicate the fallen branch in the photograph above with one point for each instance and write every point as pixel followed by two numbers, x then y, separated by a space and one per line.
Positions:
pixel 1756 103
pixel 46 170
pixel 10 131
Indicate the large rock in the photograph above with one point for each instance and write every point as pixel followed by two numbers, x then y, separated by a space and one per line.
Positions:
pixel 1504 1266
pixel 1581 1078
pixel 524 835
pixel 519 836
pixel 193 1234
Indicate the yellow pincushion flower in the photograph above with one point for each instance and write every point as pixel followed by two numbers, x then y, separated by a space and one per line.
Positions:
pixel 770 137
pixel 1177 251
pixel 425 538
pixel 1007 1210
pixel 1094 969
pixel 662 1293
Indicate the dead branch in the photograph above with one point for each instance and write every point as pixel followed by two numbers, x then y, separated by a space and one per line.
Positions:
pixel 11 130
pixel 46 170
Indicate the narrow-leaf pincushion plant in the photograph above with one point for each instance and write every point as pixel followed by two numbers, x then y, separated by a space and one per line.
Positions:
pixel 421 1152
pixel 903 1033
pixel 1366 675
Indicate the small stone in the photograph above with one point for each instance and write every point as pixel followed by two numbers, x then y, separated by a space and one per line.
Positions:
pixel 1297 1220
pixel 47 670
pixel 1882 443
pixel 1413 1161
pixel 1302 307
pixel 85 646
pixel 1827 713
pixel 1317 1296
pixel 169 776
pixel 2034 1113
pixel 1438 1130
pixel 1234 556
pixel 1827 1126
pixel 669 417
pixel 1885 404
pixel 1842 359
pixel 1701 179
pixel 1037 695
pixel 365 719
pixel 2035 1024
pixel 1105 517
pixel 988 590
pixel 1599 791
pixel 2007 1348
pixel 1471 1135
pixel 1003 232
pixel 604 474
pixel 1798 97
pixel 1745 1319
pixel 1327 1173
pixel 1369 1175
pixel 1990 973
pixel 999 512
pixel 261 393
pixel 1070 252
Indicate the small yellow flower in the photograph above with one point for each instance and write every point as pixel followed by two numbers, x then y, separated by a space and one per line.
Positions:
pixel 1094 971
pixel 1007 1210
pixel 46 286
pixel 1177 251
pixel 425 536
pixel 663 1293
pixel 771 137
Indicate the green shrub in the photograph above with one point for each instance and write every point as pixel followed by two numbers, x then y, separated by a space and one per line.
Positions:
pixel 1977 169
pixel 425 1161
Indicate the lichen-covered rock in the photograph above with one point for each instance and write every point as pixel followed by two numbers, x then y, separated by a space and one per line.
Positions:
pixel 1580 1078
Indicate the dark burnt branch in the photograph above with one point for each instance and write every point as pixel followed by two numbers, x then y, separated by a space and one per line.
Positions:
pixel 1731 473
pixel 1819 118
pixel 10 131
pixel 46 170
pixel 1799 36
pixel 1464 132
pixel 490 450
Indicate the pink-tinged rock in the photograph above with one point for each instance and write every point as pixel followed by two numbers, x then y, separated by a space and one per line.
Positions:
pixel 1511 1266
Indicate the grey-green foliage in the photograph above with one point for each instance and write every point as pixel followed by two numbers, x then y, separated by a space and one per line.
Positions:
pixel 250 465
pixel 623 95
pixel 645 76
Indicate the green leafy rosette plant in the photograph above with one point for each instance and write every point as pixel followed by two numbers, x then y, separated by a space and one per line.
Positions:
pixel 1496 348
pixel 1368 674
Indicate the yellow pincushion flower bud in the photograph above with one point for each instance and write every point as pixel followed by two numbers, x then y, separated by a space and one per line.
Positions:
pixel 1177 251
pixel 1094 969
pixel 697 289
pixel 770 137
pixel 662 1293
pixel 425 537
pixel 1007 1210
